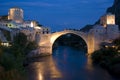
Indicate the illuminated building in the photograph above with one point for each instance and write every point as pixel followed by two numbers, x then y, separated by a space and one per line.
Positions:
pixel 15 14
pixel 107 19
pixel 34 23
pixel 30 23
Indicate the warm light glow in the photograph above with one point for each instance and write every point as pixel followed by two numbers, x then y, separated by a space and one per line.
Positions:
pixel 106 46
pixel 53 39
pixel 113 46
pixel 40 77
pixel 107 19
pixel 89 65
pixel 46 68
pixel 37 27
pixel 110 20
pixel 5 44
pixel 32 24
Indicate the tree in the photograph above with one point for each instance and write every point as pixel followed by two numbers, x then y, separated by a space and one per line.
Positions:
pixel 117 43
pixel 19 44
pixel 20 39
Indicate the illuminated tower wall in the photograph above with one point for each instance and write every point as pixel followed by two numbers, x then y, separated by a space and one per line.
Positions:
pixel 15 14
pixel 107 19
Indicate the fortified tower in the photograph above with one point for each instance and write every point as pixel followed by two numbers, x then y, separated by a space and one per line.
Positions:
pixel 15 14
pixel 107 19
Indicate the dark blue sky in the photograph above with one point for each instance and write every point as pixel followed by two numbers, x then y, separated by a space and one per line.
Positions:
pixel 59 14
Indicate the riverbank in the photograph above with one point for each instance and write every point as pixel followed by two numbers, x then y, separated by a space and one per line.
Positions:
pixel 108 59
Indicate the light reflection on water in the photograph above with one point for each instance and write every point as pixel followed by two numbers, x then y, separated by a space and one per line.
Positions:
pixel 44 69
pixel 66 64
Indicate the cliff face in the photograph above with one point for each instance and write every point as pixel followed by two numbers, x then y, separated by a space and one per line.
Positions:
pixel 115 9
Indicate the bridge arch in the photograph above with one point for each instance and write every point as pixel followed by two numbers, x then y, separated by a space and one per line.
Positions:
pixel 55 36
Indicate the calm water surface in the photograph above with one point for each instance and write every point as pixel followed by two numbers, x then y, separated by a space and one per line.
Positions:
pixel 66 63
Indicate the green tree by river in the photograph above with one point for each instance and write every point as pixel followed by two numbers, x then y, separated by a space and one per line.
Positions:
pixel 13 57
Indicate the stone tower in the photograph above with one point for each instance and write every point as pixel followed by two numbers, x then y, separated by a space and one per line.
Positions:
pixel 15 14
pixel 107 19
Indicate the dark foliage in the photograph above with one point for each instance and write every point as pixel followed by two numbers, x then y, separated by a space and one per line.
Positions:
pixel 13 57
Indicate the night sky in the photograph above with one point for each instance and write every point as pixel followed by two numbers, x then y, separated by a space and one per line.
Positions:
pixel 59 14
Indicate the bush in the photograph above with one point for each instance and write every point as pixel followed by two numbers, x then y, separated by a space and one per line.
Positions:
pixel 105 57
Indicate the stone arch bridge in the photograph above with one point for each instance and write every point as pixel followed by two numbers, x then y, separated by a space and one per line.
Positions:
pixel 46 41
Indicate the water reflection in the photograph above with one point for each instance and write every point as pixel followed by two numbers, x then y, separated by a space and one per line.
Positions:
pixel 89 65
pixel 66 64
pixel 43 69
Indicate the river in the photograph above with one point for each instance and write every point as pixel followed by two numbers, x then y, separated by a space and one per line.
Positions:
pixel 66 63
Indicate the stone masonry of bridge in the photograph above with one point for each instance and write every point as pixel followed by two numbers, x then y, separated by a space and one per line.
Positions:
pixel 93 38
pixel 47 41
